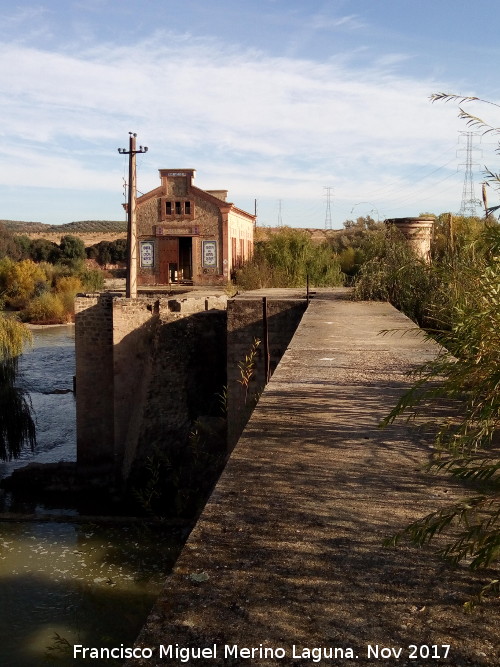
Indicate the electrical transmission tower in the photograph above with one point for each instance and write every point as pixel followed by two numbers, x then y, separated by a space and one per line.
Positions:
pixel 469 199
pixel 328 214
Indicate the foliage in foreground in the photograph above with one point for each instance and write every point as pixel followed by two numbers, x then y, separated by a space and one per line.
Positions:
pixel 17 428
pixel 467 443
pixel 464 381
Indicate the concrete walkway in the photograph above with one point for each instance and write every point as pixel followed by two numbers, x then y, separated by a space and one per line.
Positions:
pixel 288 551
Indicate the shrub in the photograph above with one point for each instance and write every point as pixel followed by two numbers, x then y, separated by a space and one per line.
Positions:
pixel 286 259
pixel 20 280
pixel 392 272
pixel 92 279
pixel 69 284
pixel 48 308
pixel 66 289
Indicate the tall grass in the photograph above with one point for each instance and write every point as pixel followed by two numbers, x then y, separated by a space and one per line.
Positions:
pixel 428 293
pixel 460 294
pixel 286 259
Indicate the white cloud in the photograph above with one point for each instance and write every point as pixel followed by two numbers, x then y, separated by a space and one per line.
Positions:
pixel 326 22
pixel 257 121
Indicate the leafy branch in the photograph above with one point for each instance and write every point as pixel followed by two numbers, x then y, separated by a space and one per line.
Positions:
pixel 247 367
pixel 462 388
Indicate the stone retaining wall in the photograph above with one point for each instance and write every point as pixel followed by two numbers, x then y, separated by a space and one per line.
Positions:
pixel 122 375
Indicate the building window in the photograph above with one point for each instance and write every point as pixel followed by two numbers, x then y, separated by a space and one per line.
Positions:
pixel 178 208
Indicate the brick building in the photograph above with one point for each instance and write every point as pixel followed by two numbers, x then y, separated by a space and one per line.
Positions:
pixel 189 235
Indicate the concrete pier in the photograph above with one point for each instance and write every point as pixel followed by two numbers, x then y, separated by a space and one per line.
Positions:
pixel 288 552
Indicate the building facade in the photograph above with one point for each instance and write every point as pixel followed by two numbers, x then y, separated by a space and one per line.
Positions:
pixel 186 235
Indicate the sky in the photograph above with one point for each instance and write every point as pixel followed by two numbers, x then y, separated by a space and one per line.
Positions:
pixel 290 105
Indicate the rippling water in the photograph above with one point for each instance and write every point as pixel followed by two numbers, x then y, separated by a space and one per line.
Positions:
pixel 65 583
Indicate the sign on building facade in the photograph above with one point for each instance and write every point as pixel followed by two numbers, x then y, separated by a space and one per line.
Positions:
pixel 147 254
pixel 209 254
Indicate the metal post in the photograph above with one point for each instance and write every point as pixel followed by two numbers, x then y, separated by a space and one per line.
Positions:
pixel 267 360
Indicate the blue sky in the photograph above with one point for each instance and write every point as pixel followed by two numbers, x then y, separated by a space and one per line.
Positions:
pixel 272 100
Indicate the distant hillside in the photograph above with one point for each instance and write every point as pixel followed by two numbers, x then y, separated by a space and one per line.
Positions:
pixel 90 231
pixel 317 235
pixel 93 231
pixel 79 227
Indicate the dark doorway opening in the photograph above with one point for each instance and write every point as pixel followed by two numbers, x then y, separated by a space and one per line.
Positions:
pixel 185 259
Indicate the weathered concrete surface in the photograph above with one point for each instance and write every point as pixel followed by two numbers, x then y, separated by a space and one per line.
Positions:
pixel 289 551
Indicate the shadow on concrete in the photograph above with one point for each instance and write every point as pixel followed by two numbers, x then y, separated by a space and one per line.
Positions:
pixel 290 546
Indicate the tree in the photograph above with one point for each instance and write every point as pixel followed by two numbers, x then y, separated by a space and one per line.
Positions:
pixel 108 252
pixel 19 281
pixel 42 250
pixel 8 247
pixel 17 428
pixel 72 248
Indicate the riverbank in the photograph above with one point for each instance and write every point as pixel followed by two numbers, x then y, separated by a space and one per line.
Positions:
pixel 41 327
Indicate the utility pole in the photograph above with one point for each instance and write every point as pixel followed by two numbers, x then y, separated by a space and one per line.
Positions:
pixel 280 218
pixel 328 214
pixel 131 281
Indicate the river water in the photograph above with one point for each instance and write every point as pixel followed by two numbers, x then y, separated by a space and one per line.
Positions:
pixel 66 583
pixel 46 370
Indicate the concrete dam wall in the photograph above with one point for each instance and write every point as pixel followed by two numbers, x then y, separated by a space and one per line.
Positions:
pixel 151 371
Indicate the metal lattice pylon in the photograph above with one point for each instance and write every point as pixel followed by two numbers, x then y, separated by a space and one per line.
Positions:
pixel 469 199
